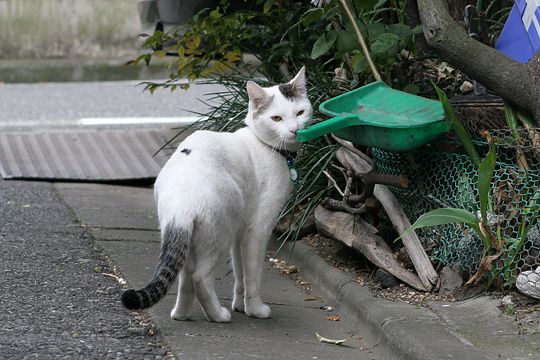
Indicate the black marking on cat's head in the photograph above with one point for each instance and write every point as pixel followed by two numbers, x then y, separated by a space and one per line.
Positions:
pixel 295 88
pixel 186 151
pixel 289 91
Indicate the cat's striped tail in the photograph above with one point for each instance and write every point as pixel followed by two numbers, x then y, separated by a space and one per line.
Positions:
pixel 174 249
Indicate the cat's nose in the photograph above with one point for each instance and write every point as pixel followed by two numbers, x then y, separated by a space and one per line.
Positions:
pixel 293 129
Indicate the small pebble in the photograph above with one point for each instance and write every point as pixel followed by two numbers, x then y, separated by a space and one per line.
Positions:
pixel 507 301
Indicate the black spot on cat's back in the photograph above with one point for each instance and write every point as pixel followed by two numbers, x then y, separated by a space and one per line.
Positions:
pixel 186 151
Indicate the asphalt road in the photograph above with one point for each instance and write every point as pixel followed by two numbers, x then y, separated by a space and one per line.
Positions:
pixel 55 303
pixel 64 104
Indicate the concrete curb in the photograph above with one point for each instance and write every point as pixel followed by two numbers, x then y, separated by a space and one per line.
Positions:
pixel 414 333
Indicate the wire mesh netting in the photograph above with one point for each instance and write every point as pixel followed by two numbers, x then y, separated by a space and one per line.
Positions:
pixel 449 179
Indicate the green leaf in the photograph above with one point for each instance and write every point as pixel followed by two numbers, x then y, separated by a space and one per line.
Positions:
pixel 215 14
pixel 346 42
pixel 385 44
pixel 323 44
pixel 526 119
pixel 375 30
pixel 268 6
pixel 365 4
pixel 401 30
pixel 160 53
pixel 311 16
pixel 532 208
pixel 380 4
pixel 485 174
pixel 510 116
pixel 361 65
pixel 445 216
pixel 455 123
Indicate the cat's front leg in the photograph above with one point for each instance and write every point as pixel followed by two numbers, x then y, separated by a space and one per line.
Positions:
pixel 238 271
pixel 253 259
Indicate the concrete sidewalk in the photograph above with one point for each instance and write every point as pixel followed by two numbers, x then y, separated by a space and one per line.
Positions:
pixel 123 222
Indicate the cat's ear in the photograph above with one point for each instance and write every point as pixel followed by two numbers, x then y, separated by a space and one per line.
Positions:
pixel 256 94
pixel 299 82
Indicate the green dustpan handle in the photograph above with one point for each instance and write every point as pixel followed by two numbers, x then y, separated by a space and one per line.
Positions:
pixel 326 127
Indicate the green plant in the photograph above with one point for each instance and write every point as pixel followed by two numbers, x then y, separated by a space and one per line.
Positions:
pixel 386 39
pixel 214 42
pixel 509 310
pixel 508 271
pixel 312 188
pixel 493 245
pixel 482 220
pixel 480 224
pixel 492 15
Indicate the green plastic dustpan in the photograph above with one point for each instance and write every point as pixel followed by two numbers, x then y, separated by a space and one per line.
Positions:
pixel 377 115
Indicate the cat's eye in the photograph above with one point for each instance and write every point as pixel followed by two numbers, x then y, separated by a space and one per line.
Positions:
pixel 301 112
pixel 276 118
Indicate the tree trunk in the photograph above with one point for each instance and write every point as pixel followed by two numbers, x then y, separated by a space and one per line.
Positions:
pixel 516 82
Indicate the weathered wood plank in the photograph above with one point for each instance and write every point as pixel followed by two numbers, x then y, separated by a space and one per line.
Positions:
pixel 356 233
pixel 399 219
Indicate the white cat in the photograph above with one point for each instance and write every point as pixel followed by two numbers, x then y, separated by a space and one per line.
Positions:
pixel 223 192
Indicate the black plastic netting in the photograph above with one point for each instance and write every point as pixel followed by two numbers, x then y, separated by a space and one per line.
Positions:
pixel 449 179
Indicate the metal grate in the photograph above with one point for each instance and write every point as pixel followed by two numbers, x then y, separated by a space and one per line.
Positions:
pixel 83 155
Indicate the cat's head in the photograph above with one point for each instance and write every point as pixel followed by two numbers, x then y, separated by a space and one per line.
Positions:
pixel 276 113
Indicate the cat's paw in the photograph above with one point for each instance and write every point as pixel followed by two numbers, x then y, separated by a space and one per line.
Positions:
pixel 223 316
pixel 177 314
pixel 261 311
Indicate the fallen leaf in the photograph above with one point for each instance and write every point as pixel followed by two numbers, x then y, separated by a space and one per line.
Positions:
pixel 333 318
pixel 312 298
pixel 330 341
pixel 483 268
pixel 120 280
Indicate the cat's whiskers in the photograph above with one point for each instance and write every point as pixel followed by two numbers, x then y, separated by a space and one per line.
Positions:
pixel 275 144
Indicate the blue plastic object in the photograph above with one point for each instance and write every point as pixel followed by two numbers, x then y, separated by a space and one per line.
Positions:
pixel 520 38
